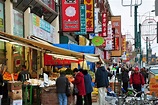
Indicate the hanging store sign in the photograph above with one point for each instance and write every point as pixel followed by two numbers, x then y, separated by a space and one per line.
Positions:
pixel 82 20
pixel 116 25
pixel 90 15
pixel 104 24
pixel 96 20
pixel 70 15
pixel 42 29
pixel 123 43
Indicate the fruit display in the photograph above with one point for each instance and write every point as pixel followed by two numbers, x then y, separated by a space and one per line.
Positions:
pixel 8 76
pixel 92 74
pixel 95 91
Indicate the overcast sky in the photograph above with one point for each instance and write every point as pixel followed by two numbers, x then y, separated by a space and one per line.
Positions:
pixel 128 22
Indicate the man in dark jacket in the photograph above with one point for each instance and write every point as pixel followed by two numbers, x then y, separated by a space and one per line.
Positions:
pixel 61 89
pixel 24 74
pixel 102 82
pixel 125 78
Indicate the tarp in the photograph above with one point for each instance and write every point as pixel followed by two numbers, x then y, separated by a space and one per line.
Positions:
pixel 77 48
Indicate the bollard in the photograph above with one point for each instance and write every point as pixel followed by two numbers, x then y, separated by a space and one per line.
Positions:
pixel 138 101
pixel 120 100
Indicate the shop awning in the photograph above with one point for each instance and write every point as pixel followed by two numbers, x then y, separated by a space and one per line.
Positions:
pixel 42 46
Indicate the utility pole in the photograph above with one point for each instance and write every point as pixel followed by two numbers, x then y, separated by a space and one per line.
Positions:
pixel 139 45
pixel 147 50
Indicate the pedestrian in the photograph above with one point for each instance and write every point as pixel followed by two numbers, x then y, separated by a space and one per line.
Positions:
pixel 102 82
pixel 137 81
pixel 1 86
pixel 125 79
pixel 61 84
pixel 79 83
pixel 24 74
pixel 144 74
pixel 88 87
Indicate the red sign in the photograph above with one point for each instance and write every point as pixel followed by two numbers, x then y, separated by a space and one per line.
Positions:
pixel 90 15
pixel 104 24
pixel 70 15
pixel 50 60
pixel 117 43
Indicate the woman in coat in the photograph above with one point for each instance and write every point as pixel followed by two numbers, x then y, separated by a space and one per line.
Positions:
pixel 79 82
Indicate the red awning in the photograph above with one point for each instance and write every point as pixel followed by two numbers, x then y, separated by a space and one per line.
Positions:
pixel 50 60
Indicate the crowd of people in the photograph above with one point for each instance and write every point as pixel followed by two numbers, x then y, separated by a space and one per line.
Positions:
pixel 130 77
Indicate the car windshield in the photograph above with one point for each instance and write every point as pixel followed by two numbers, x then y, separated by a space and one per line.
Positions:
pixel 154 70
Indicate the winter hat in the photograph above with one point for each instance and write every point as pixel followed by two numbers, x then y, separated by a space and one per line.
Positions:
pixel 136 69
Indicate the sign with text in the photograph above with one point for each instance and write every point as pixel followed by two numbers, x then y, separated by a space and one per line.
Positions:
pixel 96 20
pixel 90 15
pixel 70 15
pixel 123 43
pixel 41 29
pixel 82 20
pixel 104 24
pixel 116 25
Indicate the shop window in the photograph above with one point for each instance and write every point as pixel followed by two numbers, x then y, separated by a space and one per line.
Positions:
pixel 18 57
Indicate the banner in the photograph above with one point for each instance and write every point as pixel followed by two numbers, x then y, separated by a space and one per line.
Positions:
pixel 70 15
pixel 90 15
pixel 123 43
pixel 82 20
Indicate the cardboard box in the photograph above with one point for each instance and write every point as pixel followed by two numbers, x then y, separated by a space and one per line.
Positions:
pixel 16 85
pixel 15 94
pixel 15 102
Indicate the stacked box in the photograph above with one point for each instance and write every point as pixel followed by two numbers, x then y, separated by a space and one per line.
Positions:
pixel 15 92
pixel 94 97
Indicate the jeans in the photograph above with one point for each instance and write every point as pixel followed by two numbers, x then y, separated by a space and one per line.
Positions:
pixel 102 93
pixel 62 98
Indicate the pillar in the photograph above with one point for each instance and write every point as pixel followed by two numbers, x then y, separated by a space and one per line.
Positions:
pixel 9 30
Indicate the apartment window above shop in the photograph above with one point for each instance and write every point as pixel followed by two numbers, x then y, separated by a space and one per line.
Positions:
pixel 46 8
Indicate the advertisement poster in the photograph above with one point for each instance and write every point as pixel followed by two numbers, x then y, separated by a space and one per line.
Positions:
pixel 90 15
pixel 18 24
pixel 82 20
pixel 42 29
pixel 1 17
pixel 70 15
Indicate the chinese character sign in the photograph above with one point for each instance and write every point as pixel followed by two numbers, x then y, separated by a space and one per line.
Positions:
pixel 123 43
pixel 82 20
pixel 70 15
pixel 116 24
pixel 104 24
pixel 90 15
